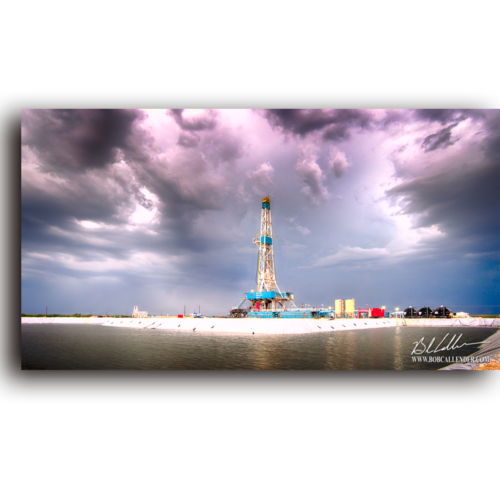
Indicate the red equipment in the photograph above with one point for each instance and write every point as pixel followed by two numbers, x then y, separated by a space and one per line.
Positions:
pixel 373 312
pixel 377 313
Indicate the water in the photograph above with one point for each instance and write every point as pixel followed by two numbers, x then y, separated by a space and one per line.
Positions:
pixel 95 347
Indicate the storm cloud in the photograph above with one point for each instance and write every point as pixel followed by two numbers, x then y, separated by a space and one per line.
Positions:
pixel 336 124
pixel 338 162
pixel 312 176
pixel 441 139
pixel 206 121
pixel 75 140
pixel 461 202
pixel 440 115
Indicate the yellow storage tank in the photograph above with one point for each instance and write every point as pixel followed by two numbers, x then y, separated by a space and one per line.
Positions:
pixel 340 307
pixel 350 307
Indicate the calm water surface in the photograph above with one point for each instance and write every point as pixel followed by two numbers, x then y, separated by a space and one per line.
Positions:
pixel 94 347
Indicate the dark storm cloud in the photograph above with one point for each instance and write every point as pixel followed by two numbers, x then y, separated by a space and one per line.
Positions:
pixel 50 227
pixel 222 146
pixel 338 132
pixel 441 139
pixel 99 196
pixel 207 121
pixel 181 204
pixel 461 197
pixel 70 144
pixel 462 202
pixel 445 116
pixel 49 223
pixel 392 116
pixel 75 140
pixel 439 115
pixel 335 123
pixel 491 144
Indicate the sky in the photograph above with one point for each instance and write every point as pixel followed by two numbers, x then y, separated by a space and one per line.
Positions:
pixel 158 208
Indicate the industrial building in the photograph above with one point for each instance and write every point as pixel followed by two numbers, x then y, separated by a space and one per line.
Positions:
pixel 139 314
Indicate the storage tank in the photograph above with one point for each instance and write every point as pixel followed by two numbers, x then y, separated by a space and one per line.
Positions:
pixel 442 312
pixel 425 312
pixel 410 312
pixel 350 307
pixel 340 308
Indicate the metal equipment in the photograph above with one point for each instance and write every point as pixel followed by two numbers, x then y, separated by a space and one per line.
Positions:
pixel 372 312
pixel 425 312
pixel 410 312
pixel 442 312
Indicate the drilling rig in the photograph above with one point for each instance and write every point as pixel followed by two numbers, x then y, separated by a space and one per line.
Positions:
pixel 268 301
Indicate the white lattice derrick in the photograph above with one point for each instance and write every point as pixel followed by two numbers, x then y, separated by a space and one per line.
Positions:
pixel 266 280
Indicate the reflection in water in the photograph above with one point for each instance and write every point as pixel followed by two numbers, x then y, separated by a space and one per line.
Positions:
pixel 398 360
pixel 98 347
pixel 348 360
pixel 330 354
pixel 263 355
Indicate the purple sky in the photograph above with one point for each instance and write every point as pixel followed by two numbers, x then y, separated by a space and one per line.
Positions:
pixel 158 208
